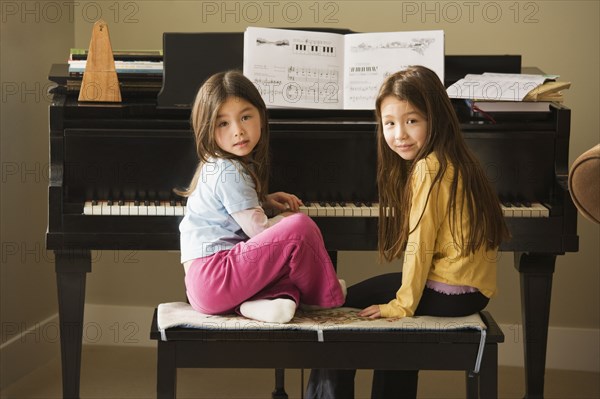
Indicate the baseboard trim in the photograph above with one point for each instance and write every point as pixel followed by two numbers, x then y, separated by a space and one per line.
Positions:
pixel 29 348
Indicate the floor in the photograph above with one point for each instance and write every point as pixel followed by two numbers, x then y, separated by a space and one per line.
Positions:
pixel 125 373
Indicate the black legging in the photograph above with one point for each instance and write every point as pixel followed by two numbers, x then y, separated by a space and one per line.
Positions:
pixel 388 384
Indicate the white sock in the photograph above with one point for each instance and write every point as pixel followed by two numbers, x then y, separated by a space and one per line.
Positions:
pixel 278 310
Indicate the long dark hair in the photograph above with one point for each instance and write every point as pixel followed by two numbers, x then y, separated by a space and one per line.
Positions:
pixel 422 88
pixel 211 96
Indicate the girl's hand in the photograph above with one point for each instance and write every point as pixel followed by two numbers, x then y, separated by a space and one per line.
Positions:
pixel 372 312
pixel 282 202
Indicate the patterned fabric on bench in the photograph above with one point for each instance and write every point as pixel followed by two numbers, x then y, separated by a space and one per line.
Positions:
pixel 181 314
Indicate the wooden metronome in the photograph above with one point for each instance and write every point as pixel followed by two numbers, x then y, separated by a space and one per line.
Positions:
pixel 100 82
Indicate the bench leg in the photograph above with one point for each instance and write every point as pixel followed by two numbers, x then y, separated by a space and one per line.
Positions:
pixel 279 392
pixel 472 381
pixel 166 371
pixel 488 379
pixel 485 384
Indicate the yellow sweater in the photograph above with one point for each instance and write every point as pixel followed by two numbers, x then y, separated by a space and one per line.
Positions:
pixel 430 252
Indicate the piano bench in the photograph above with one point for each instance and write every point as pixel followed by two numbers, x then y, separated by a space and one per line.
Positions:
pixel 281 348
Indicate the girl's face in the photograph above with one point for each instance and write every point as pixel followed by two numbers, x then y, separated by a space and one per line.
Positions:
pixel 238 126
pixel 404 127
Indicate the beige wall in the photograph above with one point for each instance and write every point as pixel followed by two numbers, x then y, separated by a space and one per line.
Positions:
pixel 560 37
pixel 28 45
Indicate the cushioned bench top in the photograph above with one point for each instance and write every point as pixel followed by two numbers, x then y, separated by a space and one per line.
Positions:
pixel 181 321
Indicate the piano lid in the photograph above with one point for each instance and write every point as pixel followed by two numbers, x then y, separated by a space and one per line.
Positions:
pixel 190 58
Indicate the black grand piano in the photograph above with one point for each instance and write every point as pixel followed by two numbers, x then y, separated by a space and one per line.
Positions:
pixel 113 168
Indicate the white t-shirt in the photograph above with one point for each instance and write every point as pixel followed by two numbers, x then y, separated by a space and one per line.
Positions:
pixel 208 227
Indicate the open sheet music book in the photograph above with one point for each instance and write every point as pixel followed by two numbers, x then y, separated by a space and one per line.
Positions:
pixel 305 69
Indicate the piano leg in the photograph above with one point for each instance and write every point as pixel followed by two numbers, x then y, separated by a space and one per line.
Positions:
pixel 536 288
pixel 71 268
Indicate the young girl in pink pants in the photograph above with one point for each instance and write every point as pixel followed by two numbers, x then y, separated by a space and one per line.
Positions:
pixel 236 259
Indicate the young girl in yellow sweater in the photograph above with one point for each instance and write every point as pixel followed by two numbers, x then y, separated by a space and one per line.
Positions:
pixel 437 209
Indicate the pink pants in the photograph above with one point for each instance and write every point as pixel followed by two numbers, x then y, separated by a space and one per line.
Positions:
pixel 288 259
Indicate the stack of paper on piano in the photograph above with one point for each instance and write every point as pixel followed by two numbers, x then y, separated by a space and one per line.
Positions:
pixel 138 71
pixel 306 69
pixel 499 92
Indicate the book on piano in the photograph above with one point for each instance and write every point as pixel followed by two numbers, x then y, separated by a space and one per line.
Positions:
pixel 308 69
pixel 508 87
pixel 121 55
pixel 134 62
pixel 140 72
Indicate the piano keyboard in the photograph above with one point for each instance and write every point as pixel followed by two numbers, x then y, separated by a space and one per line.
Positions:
pixel 533 210
pixel 134 208
pixel 320 209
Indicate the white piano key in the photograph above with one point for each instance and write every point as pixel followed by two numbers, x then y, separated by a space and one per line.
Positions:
pixel 170 209
pixel 507 211
pixel 365 211
pixel 309 210
pixel 179 210
pixel 321 211
pixel 303 209
pixel 142 210
pixel 87 208
pixel 134 210
pixel 97 209
pixel 375 210
pixel 540 210
pixel 161 209
pixel 517 211
pixel 348 211
pixel 329 210
pixel 105 208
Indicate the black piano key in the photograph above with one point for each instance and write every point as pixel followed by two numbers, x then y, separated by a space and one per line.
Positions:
pixel 504 201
